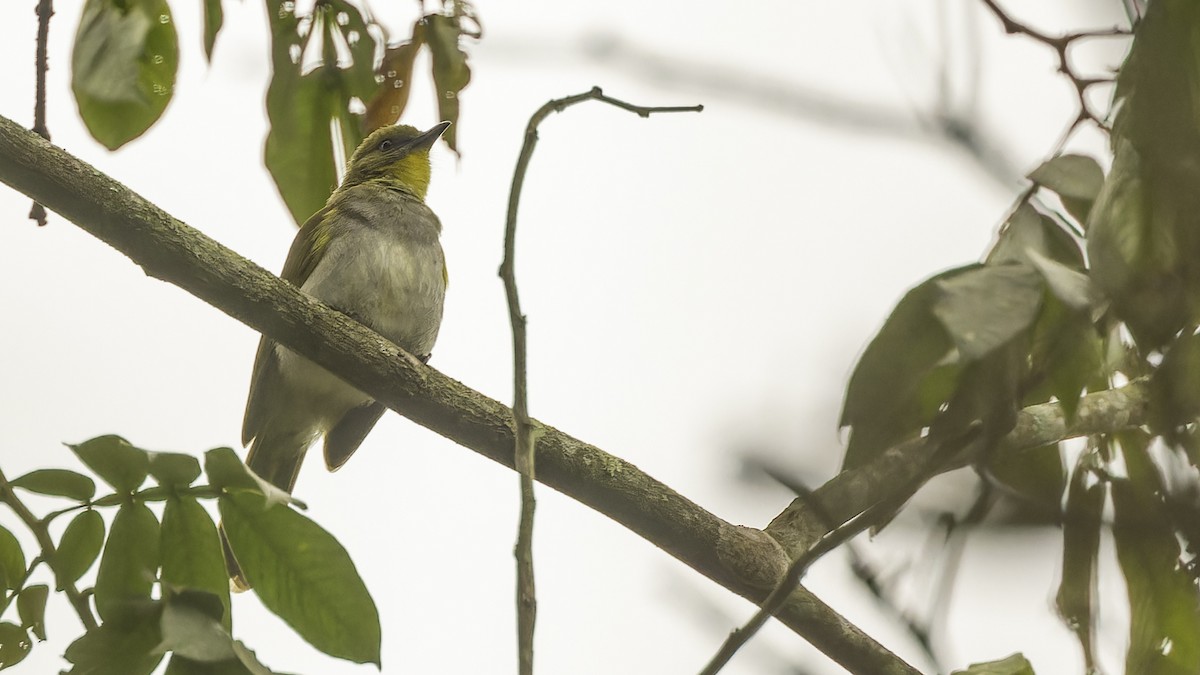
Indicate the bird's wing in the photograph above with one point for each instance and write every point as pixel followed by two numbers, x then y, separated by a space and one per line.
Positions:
pixel 301 259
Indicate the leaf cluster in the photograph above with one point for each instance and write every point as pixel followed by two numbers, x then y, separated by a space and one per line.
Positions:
pixel 161 588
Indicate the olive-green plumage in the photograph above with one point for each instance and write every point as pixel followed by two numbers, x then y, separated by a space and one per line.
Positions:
pixel 372 253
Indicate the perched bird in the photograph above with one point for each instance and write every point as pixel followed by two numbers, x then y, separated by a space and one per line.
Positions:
pixel 372 253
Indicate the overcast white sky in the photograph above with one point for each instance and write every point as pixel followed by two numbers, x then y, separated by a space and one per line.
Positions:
pixel 695 285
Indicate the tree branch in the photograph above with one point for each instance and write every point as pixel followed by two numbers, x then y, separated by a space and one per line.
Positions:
pixel 42 534
pixel 744 560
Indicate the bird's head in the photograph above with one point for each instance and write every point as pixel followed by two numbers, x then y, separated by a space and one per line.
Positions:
pixel 397 155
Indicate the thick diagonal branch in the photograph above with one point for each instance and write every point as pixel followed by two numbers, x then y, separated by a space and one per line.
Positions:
pixel 744 560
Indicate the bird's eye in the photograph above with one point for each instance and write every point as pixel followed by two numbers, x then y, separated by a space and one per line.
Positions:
pixel 385 145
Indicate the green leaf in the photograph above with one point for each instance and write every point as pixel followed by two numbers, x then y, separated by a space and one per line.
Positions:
pixel 1077 592
pixel 12 560
pixel 191 551
pixel 31 607
pixel 1075 178
pixel 77 550
pixel 120 464
pixel 245 663
pixel 1028 229
pixel 389 102
pixel 301 105
pixel 1175 387
pixel 984 308
pixel 193 633
pixel 1036 474
pixel 451 74
pixel 14 644
pixel 214 18
pixel 58 483
pixel 1164 602
pixel 130 562
pixel 301 573
pixel 174 468
pixel 1071 287
pixel 123 67
pixel 1013 665
pixel 119 648
pixel 226 471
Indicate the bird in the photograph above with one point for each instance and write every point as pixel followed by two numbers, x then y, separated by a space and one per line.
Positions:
pixel 372 253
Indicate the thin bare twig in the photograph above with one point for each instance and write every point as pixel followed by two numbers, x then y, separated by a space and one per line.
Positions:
pixel 525 432
pixel 1061 44
pixel 42 534
pixel 45 10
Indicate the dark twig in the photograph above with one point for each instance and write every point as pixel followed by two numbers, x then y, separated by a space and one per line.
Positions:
pixel 1061 44
pixel 42 534
pixel 525 432
pixel 45 10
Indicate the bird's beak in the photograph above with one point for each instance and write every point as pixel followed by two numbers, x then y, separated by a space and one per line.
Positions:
pixel 427 139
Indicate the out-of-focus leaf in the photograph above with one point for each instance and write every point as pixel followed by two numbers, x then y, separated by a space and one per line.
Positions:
pixel 114 459
pixel 31 607
pixel 77 550
pixel 119 648
pixel 12 560
pixel 174 468
pixel 1013 665
pixel 227 472
pixel 451 74
pixel 191 551
pixel 1165 604
pixel 130 562
pixel 1027 229
pixel 884 401
pixel 58 483
pixel 245 663
pixel 1075 178
pixel 984 405
pixel 214 18
pixel 1037 474
pixel 1175 387
pixel 391 99
pixel 14 644
pixel 1065 356
pixel 301 573
pixel 193 633
pixel 123 67
pixel 986 307
pixel 1077 592
pixel 1069 286
pixel 301 105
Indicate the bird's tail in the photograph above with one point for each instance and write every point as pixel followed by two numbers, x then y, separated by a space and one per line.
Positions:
pixel 275 458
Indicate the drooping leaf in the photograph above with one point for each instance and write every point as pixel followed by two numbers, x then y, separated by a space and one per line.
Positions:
pixel 1028 229
pixel 1069 286
pixel 130 562
pixel 245 663
pixel 14 644
pixel 79 547
pixel 174 468
pixel 884 402
pixel 191 552
pixel 123 67
pixel 1065 356
pixel 1077 592
pixel 31 607
pixel 451 73
pixel 301 105
pixel 195 634
pixel 1164 603
pixel 1076 179
pixel 391 99
pixel 126 647
pixel 227 472
pixel 301 573
pixel 1175 387
pixel 986 307
pixel 58 483
pixel 214 18
pixel 1036 474
pixel 1013 665
pixel 12 560
pixel 114 459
